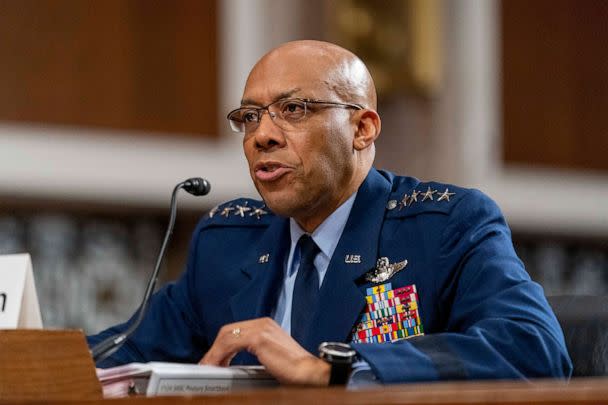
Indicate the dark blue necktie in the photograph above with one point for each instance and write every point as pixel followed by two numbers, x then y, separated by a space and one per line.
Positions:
pixel 305 291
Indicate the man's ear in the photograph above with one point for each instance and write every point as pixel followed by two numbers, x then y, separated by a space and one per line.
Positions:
pixel 368 129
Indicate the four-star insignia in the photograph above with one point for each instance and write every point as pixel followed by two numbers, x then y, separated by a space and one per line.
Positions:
pixel 241 210
pixel 445 195
pixel 428 194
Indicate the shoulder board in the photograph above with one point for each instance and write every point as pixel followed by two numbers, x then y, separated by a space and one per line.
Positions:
pixel 414 197
pixel 240 212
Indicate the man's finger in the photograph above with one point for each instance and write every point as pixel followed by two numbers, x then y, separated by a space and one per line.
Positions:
pixel 228 343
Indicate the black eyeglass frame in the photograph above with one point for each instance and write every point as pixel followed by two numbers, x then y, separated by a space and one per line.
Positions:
pixel 306 101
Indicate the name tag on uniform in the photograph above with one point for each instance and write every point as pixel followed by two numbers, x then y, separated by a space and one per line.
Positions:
pixel 18 299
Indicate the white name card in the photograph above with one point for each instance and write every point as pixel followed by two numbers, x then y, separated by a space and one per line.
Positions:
pixel 18 299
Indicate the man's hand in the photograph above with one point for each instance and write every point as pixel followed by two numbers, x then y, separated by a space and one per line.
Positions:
pixel 282 356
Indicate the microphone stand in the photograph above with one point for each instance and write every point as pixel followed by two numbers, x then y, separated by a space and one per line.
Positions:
pixel 111 344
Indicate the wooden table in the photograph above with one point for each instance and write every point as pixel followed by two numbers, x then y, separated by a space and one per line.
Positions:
pixel 546 392
pixel 56 367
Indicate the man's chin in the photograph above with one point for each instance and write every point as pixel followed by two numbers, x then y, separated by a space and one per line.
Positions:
pixel 282 204
pixel 279 209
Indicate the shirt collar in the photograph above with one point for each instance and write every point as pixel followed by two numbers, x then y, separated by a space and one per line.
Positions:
pixel 327 235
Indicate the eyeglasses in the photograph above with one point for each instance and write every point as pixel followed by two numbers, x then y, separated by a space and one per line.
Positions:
pixel 287 114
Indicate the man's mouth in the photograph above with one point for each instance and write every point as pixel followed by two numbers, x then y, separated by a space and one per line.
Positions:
pixel 270 171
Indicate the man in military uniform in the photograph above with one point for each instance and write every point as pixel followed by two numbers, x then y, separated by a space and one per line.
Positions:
pixel 402 280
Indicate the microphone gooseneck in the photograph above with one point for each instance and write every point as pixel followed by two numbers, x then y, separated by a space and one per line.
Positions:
pixel 196 186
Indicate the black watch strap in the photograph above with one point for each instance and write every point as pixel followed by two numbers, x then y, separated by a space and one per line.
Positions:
pixel 340 373
pixel 340 356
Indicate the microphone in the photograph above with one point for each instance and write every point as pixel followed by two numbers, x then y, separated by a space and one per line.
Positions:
pixel 196 186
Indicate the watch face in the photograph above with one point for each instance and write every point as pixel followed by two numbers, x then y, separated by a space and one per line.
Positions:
pixel 337 350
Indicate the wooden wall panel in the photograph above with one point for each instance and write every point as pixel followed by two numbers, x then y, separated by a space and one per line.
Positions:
pixel 555 83
pixel 132 64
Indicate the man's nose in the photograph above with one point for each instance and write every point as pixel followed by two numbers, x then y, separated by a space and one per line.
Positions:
pixel 268 134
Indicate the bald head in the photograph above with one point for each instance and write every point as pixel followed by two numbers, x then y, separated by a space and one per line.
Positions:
pixel 307 159
pixel 336 69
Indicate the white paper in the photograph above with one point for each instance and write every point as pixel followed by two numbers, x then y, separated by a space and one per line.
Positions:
pixel 184 379
pixel 19 306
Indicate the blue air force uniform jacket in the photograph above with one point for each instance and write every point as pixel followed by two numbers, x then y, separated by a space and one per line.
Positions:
pixel 457 304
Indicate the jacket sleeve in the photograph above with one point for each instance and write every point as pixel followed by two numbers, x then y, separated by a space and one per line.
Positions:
pixel 169 330
pixel 500 325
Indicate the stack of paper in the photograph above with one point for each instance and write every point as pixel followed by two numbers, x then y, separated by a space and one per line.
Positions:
pixel 156 378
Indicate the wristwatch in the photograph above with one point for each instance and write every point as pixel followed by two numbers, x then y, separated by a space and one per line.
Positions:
pixel 341 357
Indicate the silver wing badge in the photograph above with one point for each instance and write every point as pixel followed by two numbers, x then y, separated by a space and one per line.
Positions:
pixel 384 270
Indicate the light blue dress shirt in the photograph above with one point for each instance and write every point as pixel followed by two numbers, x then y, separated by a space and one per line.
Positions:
pixel 326 236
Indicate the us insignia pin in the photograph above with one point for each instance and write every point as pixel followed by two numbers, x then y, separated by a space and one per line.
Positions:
pixel 352 259
pixel 264 258
pixel 384 270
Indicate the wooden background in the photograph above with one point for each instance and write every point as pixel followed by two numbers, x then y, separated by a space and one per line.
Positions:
pixel 555 83
pixel 127 64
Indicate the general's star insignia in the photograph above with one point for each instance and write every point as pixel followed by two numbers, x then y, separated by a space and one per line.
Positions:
pixel 404 201
pixel 213 211
pixel 384 270
pixel 241 210
pixel 414 197
pixel 445 195
pixel 226 211
pixel 428 194
pixel 258 212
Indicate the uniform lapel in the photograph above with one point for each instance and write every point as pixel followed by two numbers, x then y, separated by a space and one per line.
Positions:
pixel 341 300
pixel 259 296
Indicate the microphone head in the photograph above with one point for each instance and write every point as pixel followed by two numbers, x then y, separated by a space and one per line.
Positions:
pixel 197 186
